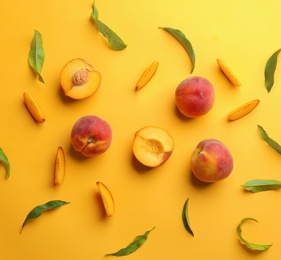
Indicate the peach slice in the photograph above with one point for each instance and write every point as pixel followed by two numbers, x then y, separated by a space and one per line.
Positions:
pixel 107 199
pixel 243 110
pixel 33 108
pixel 59 166
pixel 152 146
pixel 147 75
pixel 228 73
pixel 79 79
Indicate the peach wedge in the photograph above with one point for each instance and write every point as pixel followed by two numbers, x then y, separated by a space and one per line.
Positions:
pixel 33 108
pixel 243 110
pixel 147 75
pixel 152 146
pixel 107 199
pixel 228 73
pixel 59 166
pixel 79 79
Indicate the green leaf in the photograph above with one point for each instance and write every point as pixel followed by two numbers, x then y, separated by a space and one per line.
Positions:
pixel 36 55
pixel 270 68
pixel 185 218
pixel 179 35
pixel 5 161
pixel 250 245
pixel 115 42
pixel 273 144
pixel 132 247
pixel 37 211
pixel 261 185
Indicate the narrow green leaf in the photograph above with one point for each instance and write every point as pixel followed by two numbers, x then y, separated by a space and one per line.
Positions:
pixel 132 247
pixel 37 211
pixel 250 245
pixel 5 161
pixel 273 144
pixel 185 218
pixel 179 35
pixel 269 71
pixel 115 42
pixel 261 185
pixel 36 55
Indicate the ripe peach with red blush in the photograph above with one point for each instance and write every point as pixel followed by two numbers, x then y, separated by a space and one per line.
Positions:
pixel 195 96
pixel 211 161
pixel 91 136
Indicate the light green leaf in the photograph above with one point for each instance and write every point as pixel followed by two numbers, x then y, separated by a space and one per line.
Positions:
pixel 269 71
pixel 36 55
pixel 185 218
pixel 115 42
pixel 37 211
pixel 273 144
pixel 5 161
pixel 262 185
pixel 250 245
pixel 133 246
pixel 179 35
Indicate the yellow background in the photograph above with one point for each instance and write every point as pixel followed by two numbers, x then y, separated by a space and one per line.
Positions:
pixel 244 34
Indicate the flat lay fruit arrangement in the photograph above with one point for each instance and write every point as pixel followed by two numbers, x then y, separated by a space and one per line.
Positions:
pixel 131 134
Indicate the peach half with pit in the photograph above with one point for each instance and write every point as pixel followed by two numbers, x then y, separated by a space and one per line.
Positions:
pixel 91 136
pixel 211 161
pixel 152 146
pixel 195 96
pixel 79 79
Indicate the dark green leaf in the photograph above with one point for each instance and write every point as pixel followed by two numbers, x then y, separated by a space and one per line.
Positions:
pixel 132 247
pixel 185 218
pixel 115 42
pixel 5 161
pixel 273 144
pixel 250 245
pixel 184 42
pixel 36 55
pixel 270 68
pixel 37 211
pixel 262 185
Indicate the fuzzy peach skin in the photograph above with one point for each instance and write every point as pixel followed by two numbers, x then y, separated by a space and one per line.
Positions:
pixel 195 96
pixel 211 161
pixel 91 136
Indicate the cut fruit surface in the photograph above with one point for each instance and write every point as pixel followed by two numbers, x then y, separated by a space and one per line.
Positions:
pixel 228 73
pixel 79 79
pixel 152 146
pixel 107 199
pixel 33 108
pixel 243 110
pixel 59 166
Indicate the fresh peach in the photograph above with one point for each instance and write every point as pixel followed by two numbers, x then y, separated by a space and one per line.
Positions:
pixel 195 96
pixel 211 161
pixel 79 79
pixel 91 136
pixel 152 146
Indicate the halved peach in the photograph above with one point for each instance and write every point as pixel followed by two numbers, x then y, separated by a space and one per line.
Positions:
pixel 79 79
pixel 107 199
pixel 152 146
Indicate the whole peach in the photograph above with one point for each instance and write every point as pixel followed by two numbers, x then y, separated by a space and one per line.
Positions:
pixel 195 96
pixel 91 136
pixel 211 161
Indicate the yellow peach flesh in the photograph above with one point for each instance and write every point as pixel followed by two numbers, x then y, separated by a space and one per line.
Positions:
pixel 79 79
pixel 107 199
pixel 152 146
